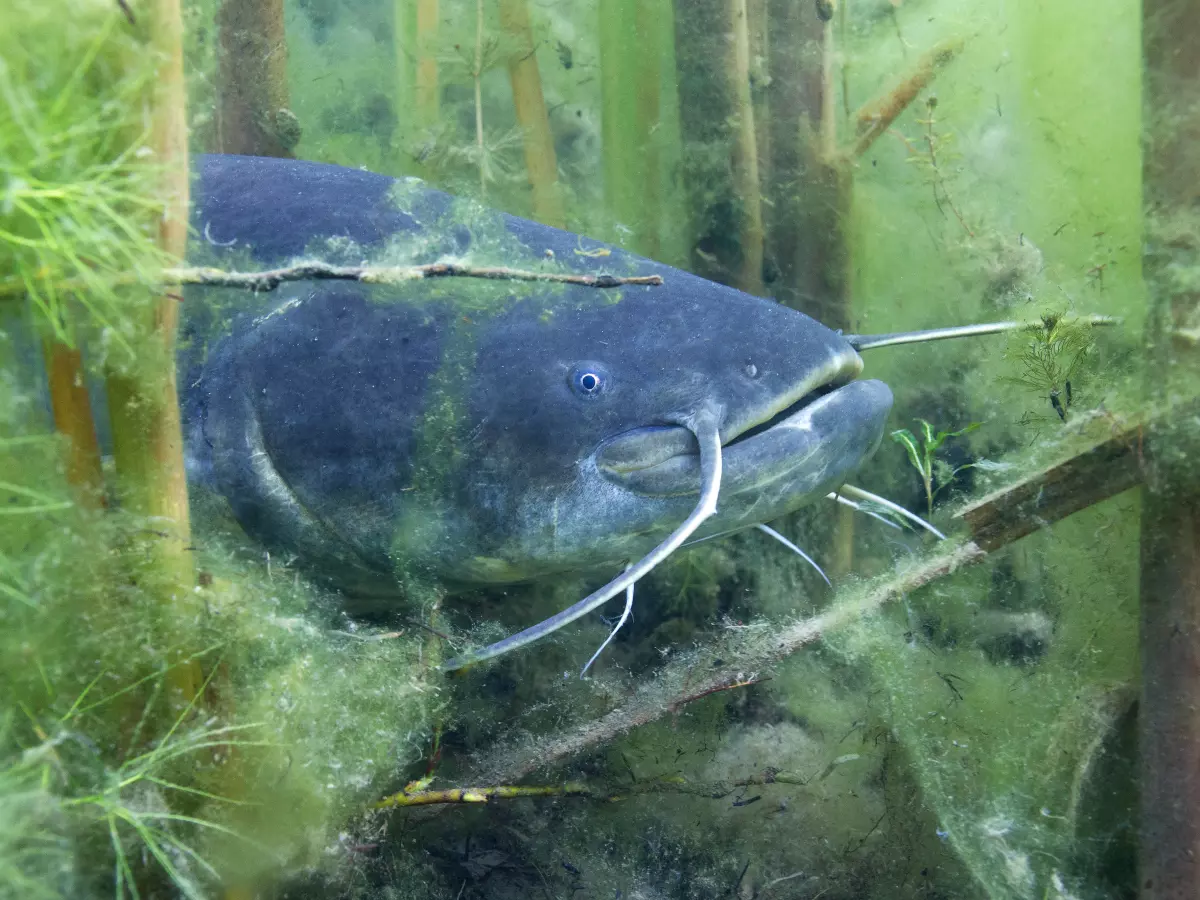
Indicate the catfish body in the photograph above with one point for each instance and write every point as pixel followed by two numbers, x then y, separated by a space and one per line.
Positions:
pixel 482 432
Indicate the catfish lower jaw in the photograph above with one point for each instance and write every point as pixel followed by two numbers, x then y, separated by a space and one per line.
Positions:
pixel 820 439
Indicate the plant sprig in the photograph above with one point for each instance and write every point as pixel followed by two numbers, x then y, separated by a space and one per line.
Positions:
pixel 74 204
pixel 922 454
pixel 1050 356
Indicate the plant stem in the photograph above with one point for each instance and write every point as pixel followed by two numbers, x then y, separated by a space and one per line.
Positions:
pixel 253 79
pixel 477 72
pixel 72 411
pixel 530 105
pixel 143 406
pixel 747 189
pixel 426 94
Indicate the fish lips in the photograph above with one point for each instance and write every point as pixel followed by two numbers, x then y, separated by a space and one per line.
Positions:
pixel 809 449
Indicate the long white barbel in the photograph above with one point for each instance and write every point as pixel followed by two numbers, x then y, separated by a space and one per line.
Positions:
pixel 862 342
pixel 709 438
pixel 612 634
pixel 858 507
pixel 771 532
pixel 888 504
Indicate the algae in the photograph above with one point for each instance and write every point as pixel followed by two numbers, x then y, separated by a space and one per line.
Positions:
pixel 966 738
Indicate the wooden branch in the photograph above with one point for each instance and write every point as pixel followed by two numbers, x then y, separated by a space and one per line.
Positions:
pixel 418 794
pixel 315 271
pixel 1103 471
pixel 270 279
pixel 1008 514
pixel 877 116
pixel 674 687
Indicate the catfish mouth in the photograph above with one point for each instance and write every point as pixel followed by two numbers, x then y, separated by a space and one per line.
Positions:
pixel 652 458
pixel 786 413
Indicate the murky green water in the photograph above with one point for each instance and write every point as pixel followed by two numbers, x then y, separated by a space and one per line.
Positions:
pixel 257 535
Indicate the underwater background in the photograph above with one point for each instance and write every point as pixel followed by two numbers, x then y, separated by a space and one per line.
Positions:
pixel 1008 712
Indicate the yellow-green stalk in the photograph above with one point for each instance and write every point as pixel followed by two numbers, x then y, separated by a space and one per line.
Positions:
pixel 142 398
pixel 530 104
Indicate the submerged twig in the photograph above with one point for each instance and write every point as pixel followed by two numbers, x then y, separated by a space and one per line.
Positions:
pixel 417 793
pixel 673 688
pixel 270 279
pixel 877 116
pixel 315 271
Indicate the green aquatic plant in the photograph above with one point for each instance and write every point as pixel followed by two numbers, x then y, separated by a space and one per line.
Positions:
pixel 922 454
pixel 297 716
pixel 932 159
pixel 1047 358
pixel 132 801
pixel 76 211
pixel 119 775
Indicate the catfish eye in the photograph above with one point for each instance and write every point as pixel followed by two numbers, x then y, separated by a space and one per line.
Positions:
pixel 588 379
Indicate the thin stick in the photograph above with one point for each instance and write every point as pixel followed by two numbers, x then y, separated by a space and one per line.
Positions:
pixel 314 271
pixel 411 797
pixel 414 794
pixel 877 116
pixel 270 279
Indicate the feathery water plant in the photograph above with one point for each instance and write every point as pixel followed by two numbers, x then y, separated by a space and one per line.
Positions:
pixel 76 211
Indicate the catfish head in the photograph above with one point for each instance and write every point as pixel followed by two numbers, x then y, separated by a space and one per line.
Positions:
pixel 581 445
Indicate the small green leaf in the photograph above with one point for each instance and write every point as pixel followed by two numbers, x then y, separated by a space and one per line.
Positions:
pixel 906 437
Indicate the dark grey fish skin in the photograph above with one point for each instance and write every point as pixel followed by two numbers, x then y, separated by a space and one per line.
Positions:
pixel 446 428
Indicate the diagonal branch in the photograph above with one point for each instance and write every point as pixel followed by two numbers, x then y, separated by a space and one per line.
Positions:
pixel 1036 501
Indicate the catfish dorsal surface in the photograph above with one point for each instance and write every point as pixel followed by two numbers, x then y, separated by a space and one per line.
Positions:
pixel 481 432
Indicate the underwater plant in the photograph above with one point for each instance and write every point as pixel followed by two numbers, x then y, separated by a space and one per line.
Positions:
pixel 922 455
pixel 156 693
pixel 1050 356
